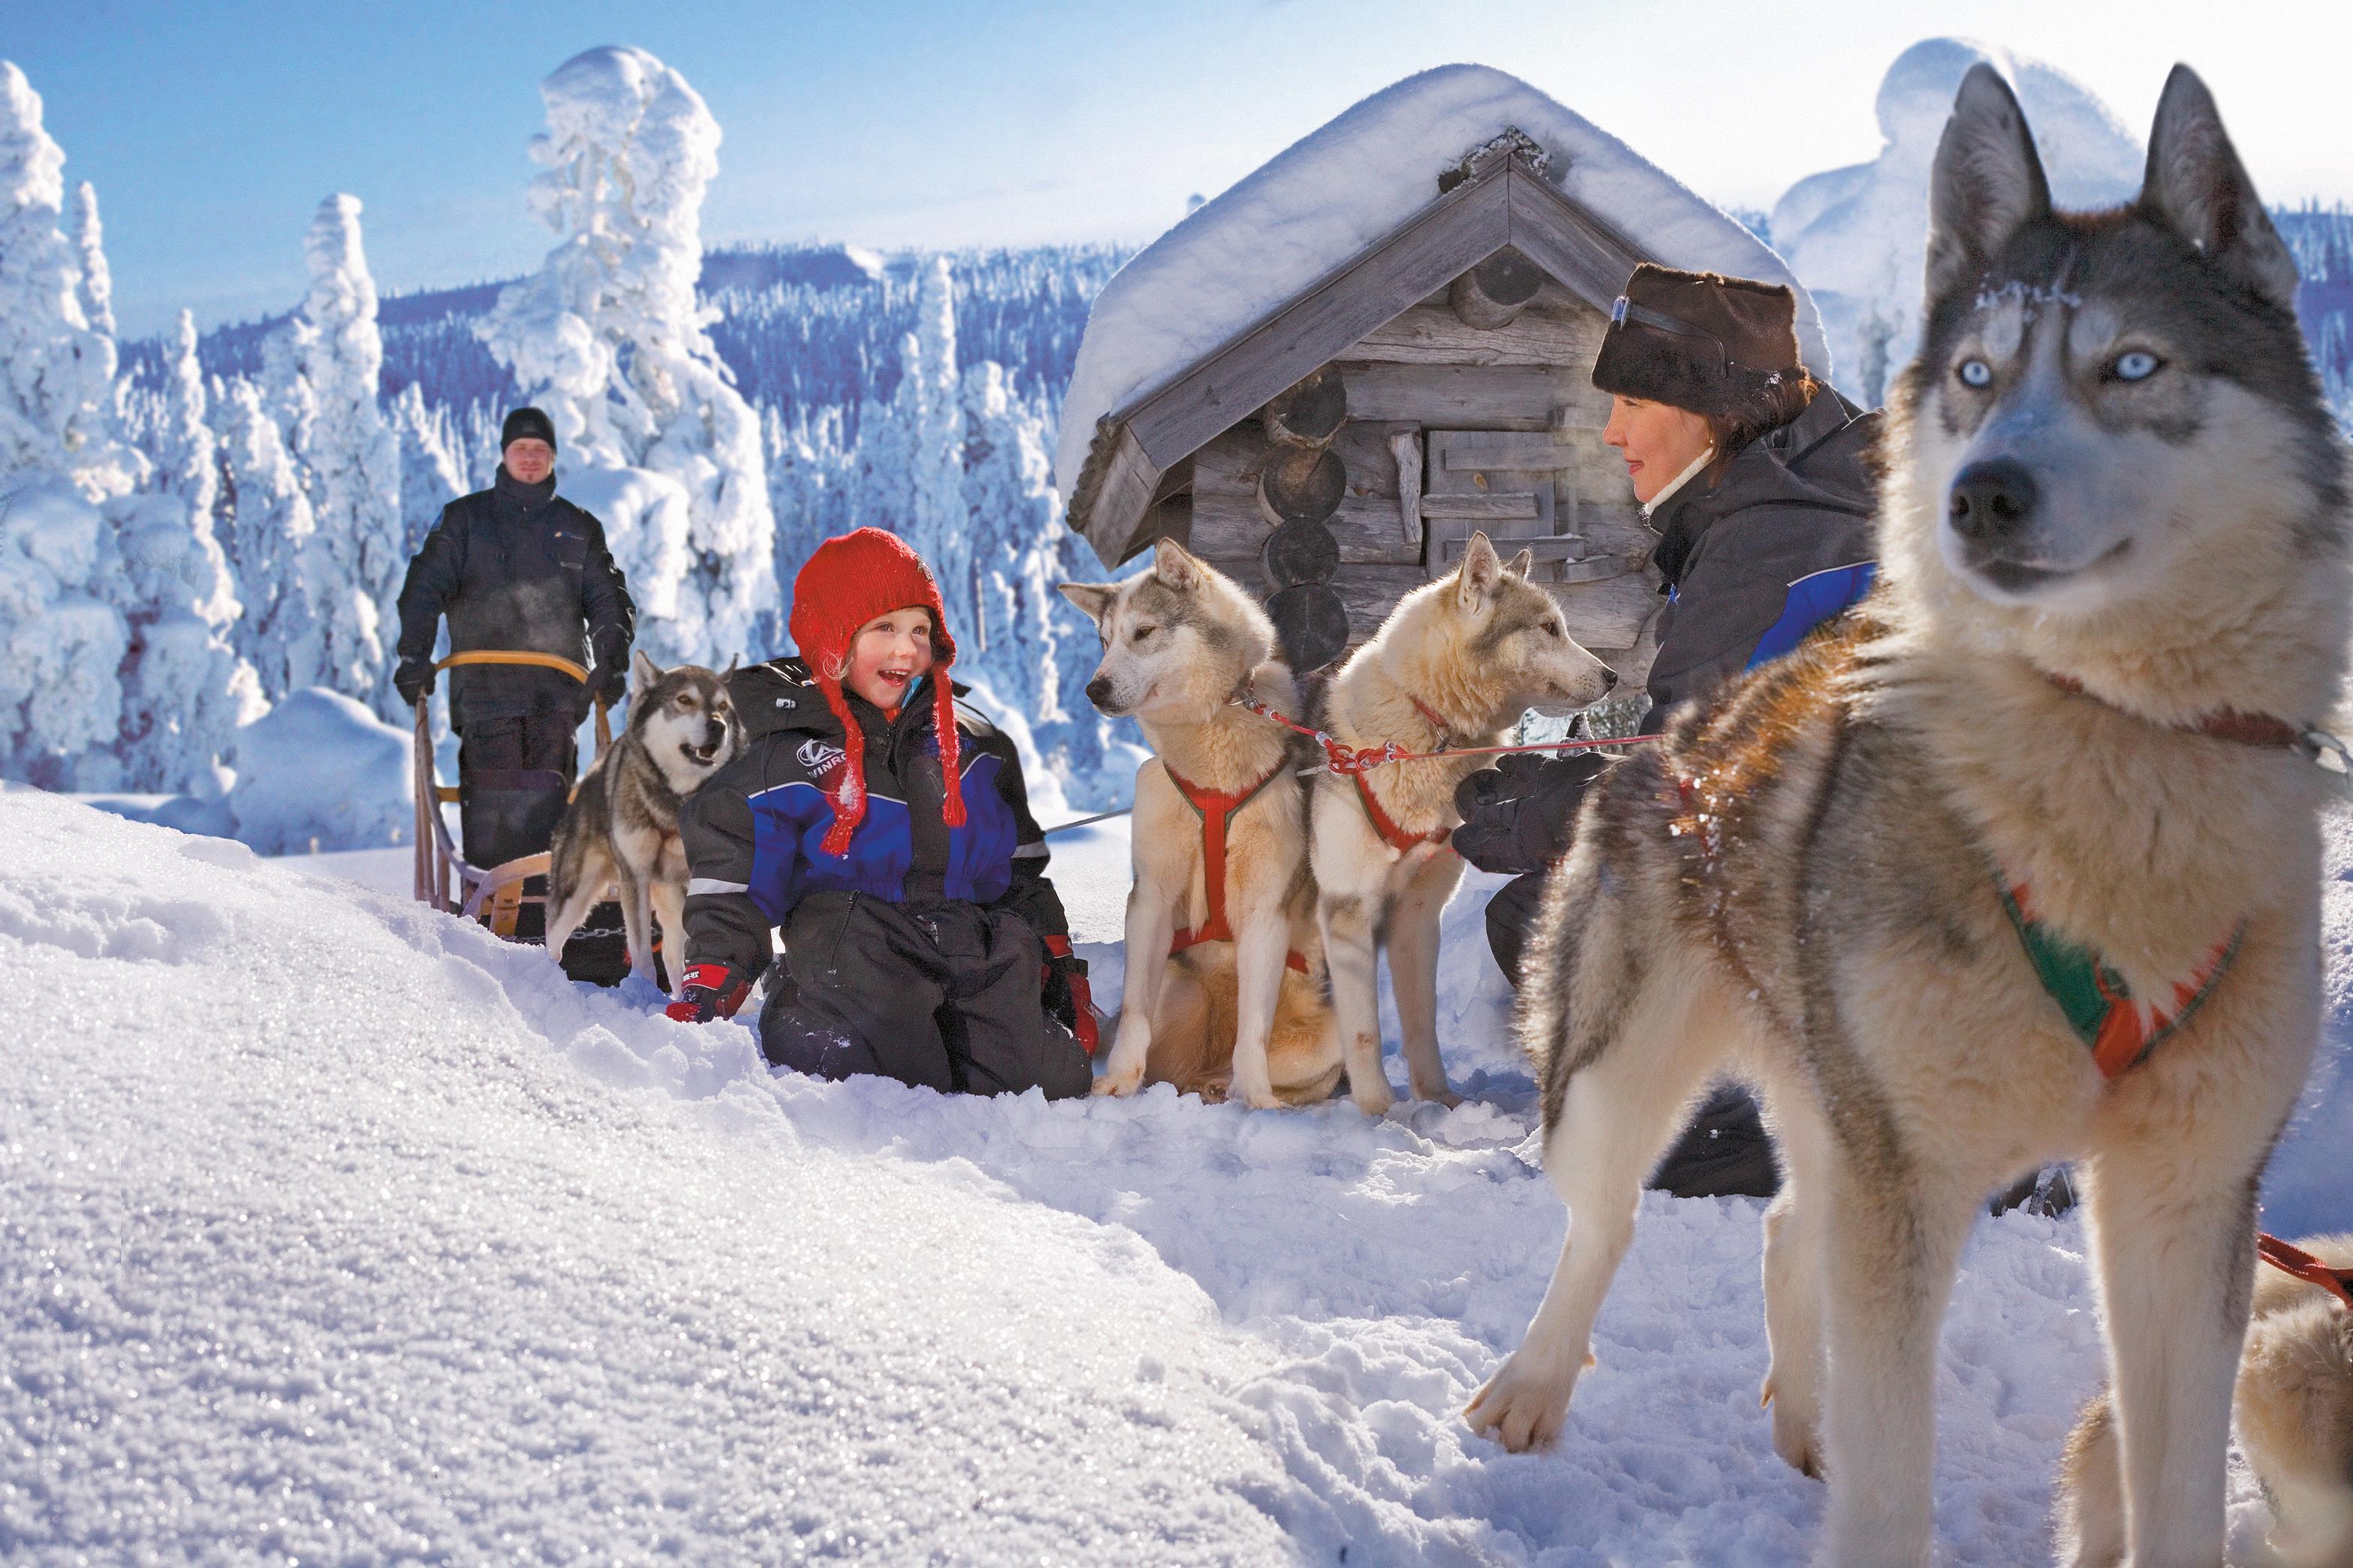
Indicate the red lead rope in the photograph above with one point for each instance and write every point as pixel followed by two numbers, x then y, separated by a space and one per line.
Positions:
pixel 1352 760
pixel 2287 1259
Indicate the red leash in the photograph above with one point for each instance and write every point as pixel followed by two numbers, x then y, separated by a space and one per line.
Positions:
pixel 1355 761
pixel 2294 1261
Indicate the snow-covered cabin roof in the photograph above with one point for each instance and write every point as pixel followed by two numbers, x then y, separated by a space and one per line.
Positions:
pixel 1281 271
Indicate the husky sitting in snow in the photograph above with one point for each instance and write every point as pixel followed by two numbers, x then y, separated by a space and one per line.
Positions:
pixel 2294 1419
pixel 1456 663
pixel 1221 845
pixel 2021 866
pixel 622 826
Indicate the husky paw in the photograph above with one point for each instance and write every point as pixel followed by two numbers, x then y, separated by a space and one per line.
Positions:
pixel 1796 1430
pixel 1258 1099
pixel 1441 1095
pixel 1121 1082
pixel 1525 1403
pixel 1373 1097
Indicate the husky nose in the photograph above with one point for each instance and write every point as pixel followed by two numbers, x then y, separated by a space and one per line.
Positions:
pixel 1099 691
pixel 1609 679
pixel 1992 502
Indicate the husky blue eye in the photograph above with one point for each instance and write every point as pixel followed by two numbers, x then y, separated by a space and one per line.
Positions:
pixel 1976 372
pixel 2137 366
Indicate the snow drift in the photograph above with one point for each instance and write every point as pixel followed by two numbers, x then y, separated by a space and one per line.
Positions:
pixel 320 772
pixel 346 1232
pixel 1328 195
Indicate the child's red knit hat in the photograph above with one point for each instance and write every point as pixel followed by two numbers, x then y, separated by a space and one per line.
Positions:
pixel 847 583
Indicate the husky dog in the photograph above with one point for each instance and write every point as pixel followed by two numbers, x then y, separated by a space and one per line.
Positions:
pixel 622 826
pixel 2294 1410
pixel 2067 730
pixel 1456 663
pixel 1241 1004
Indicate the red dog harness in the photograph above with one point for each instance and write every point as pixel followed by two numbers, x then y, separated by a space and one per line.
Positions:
pixel 2338 1282
pixel 1216 809
pixel 1397 837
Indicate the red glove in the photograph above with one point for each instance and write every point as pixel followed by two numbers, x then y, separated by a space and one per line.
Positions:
pixel 711 991
pixel 1067 995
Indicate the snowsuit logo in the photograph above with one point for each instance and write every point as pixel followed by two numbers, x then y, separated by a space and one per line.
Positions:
pixel 818 758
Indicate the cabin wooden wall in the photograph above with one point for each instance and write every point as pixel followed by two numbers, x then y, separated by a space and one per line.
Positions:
pixel 1425 371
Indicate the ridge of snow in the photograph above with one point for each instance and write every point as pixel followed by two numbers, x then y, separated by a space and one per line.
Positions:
pixel 1342 187
pixel 349 1232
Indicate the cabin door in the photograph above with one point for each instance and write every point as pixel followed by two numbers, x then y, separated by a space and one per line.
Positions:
pixel 1506 483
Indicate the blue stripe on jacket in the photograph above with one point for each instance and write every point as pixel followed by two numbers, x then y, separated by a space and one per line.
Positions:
pixel 1813 599
pixel 788 859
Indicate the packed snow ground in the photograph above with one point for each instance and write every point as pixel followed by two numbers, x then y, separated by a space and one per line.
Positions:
pixel 343 1232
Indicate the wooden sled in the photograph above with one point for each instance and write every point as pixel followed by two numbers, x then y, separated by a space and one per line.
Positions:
pixel 445 879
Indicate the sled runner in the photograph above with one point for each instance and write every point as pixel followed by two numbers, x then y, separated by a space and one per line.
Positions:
pixel 445 879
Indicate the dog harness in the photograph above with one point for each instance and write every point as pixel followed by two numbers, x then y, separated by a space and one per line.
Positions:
pixel 2294 1261
pixel 2098 1006
pixel 1216 809
pixel 1397 837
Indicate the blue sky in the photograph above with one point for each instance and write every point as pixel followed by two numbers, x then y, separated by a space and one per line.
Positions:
pixel 212 131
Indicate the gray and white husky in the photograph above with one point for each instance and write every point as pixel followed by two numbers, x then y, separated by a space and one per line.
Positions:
pixel 621 828
pixel 2114 595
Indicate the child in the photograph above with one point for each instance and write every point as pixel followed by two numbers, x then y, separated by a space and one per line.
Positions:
pixel 885 827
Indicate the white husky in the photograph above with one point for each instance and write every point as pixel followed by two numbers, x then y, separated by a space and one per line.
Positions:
pixel 1221 845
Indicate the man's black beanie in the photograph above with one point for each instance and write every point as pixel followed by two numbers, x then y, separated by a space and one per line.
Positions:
pixel 524 424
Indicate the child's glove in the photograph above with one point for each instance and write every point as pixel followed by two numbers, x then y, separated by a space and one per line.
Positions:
pixel 1066 993
pixel 711 991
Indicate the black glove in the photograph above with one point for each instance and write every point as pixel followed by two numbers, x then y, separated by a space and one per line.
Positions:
pixel 1519 817
pixel 615 686
pixel 414 680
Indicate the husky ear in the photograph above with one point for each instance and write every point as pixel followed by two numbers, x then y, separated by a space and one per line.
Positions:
pixel 2196 185
pixel 732 660
pixel 1175 566
pixel 643 672
pixel 1480 574
pixel 1987 185
pixel 1095 599
pixel 1520 565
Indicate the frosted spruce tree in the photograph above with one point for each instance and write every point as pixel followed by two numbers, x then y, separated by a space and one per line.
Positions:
pixel 270 544
pixel 97 286
pixel 61 641
pixel 610 339
pixel 323 367
pixel 431 474
pixel 185 688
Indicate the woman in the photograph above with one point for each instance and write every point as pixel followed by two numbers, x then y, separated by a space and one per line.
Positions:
pixel 1753 475
pixel 884 825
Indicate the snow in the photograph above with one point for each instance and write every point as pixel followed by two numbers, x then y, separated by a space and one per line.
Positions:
pixel 1344 186
pixel 1858 235
pixel 352 1233
pixel 320 770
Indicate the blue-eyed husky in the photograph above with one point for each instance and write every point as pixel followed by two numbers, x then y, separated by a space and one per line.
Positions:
pixel 2022 865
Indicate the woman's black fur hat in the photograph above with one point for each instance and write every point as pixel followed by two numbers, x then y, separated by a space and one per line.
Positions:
pixel 1723 347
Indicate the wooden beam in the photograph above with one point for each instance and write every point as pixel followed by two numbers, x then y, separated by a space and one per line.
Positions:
pixel 1462 227
pixel 1571 243
pixel 1227 526
pixel 1484 396
pixel 1431 335
pixel 1111 510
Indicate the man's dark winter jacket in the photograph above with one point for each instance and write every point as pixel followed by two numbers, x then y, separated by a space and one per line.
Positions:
pixel 755 832
pixel 1779 544
pixel 518 567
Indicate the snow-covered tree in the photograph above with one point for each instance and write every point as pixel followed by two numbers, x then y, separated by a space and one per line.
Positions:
pixel 431 474
pixel 1039 651
pixel 324 364
pixel 270 544
pixel 611 340
pixel 96 290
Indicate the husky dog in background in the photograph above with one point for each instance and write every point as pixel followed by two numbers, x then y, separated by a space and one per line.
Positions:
pixel 2294 1419
pixel 2113 592
pixel 1456 663
pixel 622 826
pixel 1180 643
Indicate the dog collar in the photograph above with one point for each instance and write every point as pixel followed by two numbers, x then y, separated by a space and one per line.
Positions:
pixel 1436 722
pixel 2262 731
